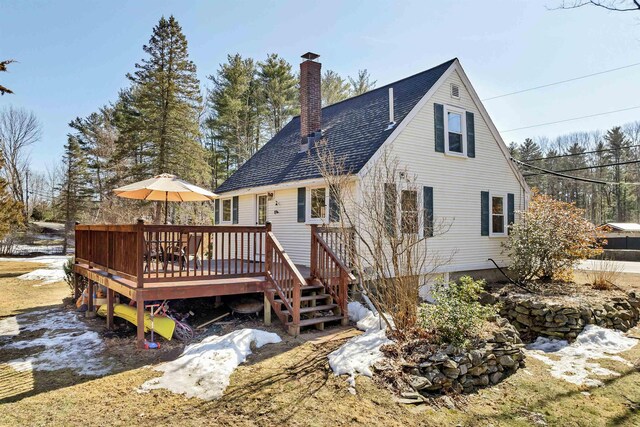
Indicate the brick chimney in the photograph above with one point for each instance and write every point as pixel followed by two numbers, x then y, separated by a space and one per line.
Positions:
pixel 310 100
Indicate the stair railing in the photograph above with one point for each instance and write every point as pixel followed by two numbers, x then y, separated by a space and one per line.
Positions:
pixel 285 279
pixel 330 270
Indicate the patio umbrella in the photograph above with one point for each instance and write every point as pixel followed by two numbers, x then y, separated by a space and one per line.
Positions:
pixel 165 187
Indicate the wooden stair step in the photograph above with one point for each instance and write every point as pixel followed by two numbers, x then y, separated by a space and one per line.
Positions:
pixel 314 308
pixel 317 320
pixel 306 298
pixel 311 288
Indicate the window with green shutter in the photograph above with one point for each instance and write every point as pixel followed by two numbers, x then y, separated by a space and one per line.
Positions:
pixel 427 204
pixel 302 208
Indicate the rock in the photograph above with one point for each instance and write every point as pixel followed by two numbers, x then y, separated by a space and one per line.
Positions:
pixel 439 357
pixel 450 364
pixel 524 319
pixel 500 337
pixel 560 318
pixel 495 377
pixel 506 361
pixel 451 372
pixel 418 382
pixel 476 357
pixel 463 369
pixel 448 402
pixel 477 370
pixel 521 309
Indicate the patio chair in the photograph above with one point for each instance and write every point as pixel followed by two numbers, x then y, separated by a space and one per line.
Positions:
pixel 187 249
pixel 153 251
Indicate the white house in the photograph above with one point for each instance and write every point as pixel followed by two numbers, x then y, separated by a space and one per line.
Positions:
pixel 439 131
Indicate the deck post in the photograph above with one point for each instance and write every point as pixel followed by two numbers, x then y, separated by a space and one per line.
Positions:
pixel 76 287
pixel 110 298
pixel 314 251
pixel 267 248
pixel 90 312
pixel 140 254
pixel 267 310
pixel 140 321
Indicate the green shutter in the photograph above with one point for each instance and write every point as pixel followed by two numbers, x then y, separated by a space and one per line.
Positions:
pixel 216 214
pixel 471 135
pixel 390 202
pixel 302 200
pixel 334 207
pixel 427 202
pixel 511 217
pixel 234 203
pixel 438 119
pixel 484 213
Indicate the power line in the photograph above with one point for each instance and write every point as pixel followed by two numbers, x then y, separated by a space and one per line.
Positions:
pixel 575 178
pixel 630 162
pixel 561 82
pixel 568 120
pixel 583 153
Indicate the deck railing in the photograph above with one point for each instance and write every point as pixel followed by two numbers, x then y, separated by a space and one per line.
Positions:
pixel 330 269
pixel 341 240
pixel 285 279
pixel 147 253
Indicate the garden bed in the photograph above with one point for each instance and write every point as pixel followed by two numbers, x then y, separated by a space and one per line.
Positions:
pixel 562 310
pixel 418 368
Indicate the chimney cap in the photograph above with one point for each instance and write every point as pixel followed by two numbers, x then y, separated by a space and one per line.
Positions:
pixel 310 56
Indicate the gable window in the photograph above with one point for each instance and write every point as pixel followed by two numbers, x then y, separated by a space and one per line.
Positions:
pixel 498 216
pixel 317 211
pixel 261 209
pixel 455 131
pixel 226 211
pixel 409 211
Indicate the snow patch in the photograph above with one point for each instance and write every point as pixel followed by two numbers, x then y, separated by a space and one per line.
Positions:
pixel 594 342
pixel 203 369
pixel 44 275
pixel 67 343
pixel 358 354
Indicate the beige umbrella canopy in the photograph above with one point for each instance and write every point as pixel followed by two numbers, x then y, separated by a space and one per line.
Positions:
pixel 165 187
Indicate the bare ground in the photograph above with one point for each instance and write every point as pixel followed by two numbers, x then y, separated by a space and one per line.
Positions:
pixel 291 384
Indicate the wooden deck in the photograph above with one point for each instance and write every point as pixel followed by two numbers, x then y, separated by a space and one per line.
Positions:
pixel 152 262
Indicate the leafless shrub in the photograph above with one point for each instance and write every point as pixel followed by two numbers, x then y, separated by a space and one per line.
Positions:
pixel 606 276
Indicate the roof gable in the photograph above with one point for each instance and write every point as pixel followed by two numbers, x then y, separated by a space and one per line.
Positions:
pixel 354 128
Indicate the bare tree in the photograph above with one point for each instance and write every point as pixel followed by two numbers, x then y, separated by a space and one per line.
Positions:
pixel 19 129
pixel 391 255
pixel 612 5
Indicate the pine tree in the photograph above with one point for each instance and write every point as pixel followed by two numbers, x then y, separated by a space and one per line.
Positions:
pixel 166 96
pixel 236 109
pixel 362 83
pixel 75 193
pixel 334 88
pixel 617 141
pixel 3 67
pixel 278 91
pixel 11 211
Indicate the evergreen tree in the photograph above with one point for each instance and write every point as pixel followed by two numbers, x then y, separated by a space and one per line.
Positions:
pixel 3 67
pixel 279 92
pixel 334 88
pixel 11 211
pixel 362 83
pixel 616 140
pixel 236 108
pixel 75 193
pixel 167 98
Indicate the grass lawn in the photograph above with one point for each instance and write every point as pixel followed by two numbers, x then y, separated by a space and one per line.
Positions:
pixel 290 383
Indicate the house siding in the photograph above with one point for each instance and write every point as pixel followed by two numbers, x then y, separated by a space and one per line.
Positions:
pixel 458 181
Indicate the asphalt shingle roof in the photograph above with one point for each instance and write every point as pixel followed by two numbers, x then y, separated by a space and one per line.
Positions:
pixel 354 128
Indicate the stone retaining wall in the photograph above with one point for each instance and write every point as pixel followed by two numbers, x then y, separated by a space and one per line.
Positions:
pixel 533 316
pixel 451 370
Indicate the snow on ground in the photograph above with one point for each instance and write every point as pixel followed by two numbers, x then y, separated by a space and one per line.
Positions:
pixel 67 343
pixel 573 363
pixel 53 273
pixel 358 354
pixel 203 369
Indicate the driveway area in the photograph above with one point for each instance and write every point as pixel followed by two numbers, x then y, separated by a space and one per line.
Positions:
pixel 598 265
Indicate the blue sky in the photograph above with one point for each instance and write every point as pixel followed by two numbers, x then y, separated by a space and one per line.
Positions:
pixel 73 55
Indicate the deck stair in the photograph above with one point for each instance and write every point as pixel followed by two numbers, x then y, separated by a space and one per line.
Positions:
pixel 317 308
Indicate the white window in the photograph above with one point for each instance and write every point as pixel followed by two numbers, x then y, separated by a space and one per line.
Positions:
pixel 317 205
pixel 261 209
pixel 225 218
pixel 409 212
pixel 455 131
pixel 498 215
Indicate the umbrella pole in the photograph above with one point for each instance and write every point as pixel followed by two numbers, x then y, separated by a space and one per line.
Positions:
pixel 166 205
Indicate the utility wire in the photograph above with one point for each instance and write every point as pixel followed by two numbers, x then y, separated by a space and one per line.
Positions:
pixel 575 178
pixel 561 82
pixel 588 167
pixel 583 153
pixel 568 120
